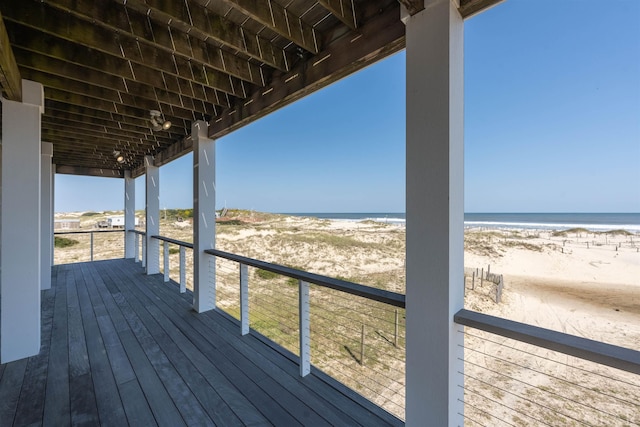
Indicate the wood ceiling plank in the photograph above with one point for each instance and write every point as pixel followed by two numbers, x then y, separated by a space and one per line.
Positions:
pixel 379 36
pixel 468 8
pixel 123 101
pixel 71 119
pixel 344 10
pixel 41 17
pixel 10 79
pixel 61 69
pixel 96 131
pixel 163 35
pixel 413 6
pixel 281 21
pixel 90 113
pixel 87 171
pixel 194 18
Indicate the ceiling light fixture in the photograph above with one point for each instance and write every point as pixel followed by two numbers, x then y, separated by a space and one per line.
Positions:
pixel 119 157
pixel 157 122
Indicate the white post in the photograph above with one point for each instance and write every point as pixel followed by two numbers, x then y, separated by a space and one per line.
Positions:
pixel 152 221
pixel 46 214
pixel 91 245
pixel 136 247
pixel 129 216
pixel 435 211
pixel 166 261
pixel 204 218
pixel 20 255
pixel 305 334
pixel 244 299
pixel 144 251
pixel 183 271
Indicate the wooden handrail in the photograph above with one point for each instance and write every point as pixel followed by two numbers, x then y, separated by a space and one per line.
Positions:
pixel 605 354
pixel 387 297
pixel 174 241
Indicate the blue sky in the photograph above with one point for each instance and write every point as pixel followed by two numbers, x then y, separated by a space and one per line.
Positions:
pixel 552 124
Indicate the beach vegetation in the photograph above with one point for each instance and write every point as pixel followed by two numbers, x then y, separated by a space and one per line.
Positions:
pixel 91 213
pixel 265 274
pixel 63 242
pixel 617 233
pixel 563 233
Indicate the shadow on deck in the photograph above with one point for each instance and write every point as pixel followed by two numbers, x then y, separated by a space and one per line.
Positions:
pixel 120 347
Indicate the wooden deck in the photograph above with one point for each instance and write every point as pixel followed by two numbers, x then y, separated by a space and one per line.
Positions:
pixel 122 348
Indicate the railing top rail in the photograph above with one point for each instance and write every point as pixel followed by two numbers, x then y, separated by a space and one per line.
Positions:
pixel 175 242
pixel 138 232
pixel 88 231
pixel 387 297
pixel 606 354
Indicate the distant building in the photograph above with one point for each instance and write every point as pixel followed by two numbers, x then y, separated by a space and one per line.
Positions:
pixel 66 224
pixel 118 221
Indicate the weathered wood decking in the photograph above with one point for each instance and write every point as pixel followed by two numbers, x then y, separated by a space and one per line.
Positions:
pixel 120 347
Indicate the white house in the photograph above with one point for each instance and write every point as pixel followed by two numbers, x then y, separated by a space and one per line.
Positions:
pixel 118 221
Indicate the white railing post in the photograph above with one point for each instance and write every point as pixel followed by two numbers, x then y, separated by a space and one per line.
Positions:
pixel 183 270
pixel 136 248
pixel 92 246
pixel 244 298
pixel 144 252
pixel 305 341
pixel 166 261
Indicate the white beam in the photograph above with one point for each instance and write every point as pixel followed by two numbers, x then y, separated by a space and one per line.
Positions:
pixel 46 213
pixel 435 214
pixel 129 215
pixel 20 224
pixel 152 222
pixel 204 218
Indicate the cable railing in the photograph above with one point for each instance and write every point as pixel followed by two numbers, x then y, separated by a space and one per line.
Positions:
pixel 108 245
pixel 182 259
pixel 519 375
pixel 514 374
pixel 349 332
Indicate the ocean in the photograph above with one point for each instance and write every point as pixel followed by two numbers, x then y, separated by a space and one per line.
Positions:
pixel 546 221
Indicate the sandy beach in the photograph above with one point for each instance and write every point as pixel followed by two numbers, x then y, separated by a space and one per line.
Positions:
pixel 579 282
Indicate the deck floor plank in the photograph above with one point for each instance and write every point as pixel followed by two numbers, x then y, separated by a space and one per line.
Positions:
pixel 110 408
pixel 244 409
pixel 56 401
pixel 82 399
pixel 124 348
pixel 31 401
pixel 234 370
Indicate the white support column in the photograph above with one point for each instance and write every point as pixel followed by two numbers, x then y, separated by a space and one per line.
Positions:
pixel 204 218
pixel 136 247
pixel 20 258
pixel 129 215
pixel 435 214
pixel 46 214
pixel 152 208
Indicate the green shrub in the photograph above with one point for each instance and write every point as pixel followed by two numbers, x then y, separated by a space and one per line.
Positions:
pixel 266 275
pixel 63 242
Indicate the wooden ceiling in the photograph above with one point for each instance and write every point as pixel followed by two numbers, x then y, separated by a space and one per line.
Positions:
pixel 105 64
